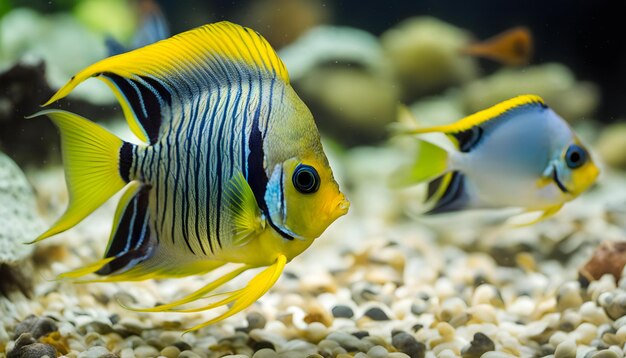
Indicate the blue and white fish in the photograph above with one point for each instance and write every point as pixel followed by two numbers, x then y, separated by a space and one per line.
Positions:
pixel 518 153
pixel 231 170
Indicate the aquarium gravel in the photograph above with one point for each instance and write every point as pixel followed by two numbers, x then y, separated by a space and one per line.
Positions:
pixel 378 284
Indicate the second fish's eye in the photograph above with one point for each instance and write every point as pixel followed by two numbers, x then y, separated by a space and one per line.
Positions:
pixel 305 179
pixel 575 156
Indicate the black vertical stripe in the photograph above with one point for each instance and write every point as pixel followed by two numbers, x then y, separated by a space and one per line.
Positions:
pixel 257 179
pixel 126 161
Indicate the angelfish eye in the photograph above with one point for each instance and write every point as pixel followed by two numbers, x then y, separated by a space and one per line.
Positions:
pixel 305 179
pixel 575 156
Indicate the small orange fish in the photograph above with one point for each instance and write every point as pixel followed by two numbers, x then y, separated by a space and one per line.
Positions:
pixel 513 47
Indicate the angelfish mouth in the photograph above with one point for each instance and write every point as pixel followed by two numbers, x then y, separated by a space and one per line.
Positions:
pixel 555 177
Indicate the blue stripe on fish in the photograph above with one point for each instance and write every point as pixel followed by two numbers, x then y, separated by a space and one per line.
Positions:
pixel 218 168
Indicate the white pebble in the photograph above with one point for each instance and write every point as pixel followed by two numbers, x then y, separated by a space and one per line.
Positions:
pixel 591 313
pixel 377 352
pixel 522 306
pixel 146 351
pixel 567 349
pixel 127 353
pixel 585 333
pixel 265 353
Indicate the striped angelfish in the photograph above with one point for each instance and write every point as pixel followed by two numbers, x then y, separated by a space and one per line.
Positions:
pixel 231 170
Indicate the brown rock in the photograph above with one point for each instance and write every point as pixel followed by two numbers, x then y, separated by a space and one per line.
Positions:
pixel 609 257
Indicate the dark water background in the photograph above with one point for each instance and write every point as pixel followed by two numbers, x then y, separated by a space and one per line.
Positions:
pixel 586 35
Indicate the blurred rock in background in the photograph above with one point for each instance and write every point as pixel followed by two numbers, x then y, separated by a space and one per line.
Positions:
pixel 344 77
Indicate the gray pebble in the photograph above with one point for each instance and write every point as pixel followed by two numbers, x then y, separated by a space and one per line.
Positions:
pixel 341 311
pixel 376 314
pixel 255 320
pixel 479 345
pixel 263 345
pixel 614 304
pixel 95 326
pixel 23 340
pixel 407 344
pixel 134 341
pixel 183 346
pixel 349 342
pixel 35 350
pixel 361 334
pixel 36 326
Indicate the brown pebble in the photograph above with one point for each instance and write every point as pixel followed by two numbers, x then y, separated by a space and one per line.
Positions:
pixel 609 257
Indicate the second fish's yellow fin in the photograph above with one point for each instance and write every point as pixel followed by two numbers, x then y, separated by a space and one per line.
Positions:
pixel 244 210
pixel 430 162
pixel 91 157
pixel 518 221
pixel 481 117
pixel 147 79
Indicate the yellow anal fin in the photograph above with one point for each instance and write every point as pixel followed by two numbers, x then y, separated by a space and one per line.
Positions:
pixel 246 296
pixel 244 210
pixel 91 159
pixel 83 271
pixel 158 268
pixel 481 117
pixel 196 295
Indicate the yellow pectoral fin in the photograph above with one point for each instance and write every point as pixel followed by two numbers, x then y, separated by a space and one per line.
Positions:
pixel 246 296
pixel 244 210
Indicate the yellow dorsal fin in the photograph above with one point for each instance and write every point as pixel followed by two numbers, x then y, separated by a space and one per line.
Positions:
pixel 482 116
pixel 144 79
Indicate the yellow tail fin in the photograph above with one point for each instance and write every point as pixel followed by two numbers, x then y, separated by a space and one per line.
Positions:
pixel 91 159
pixel 431 161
